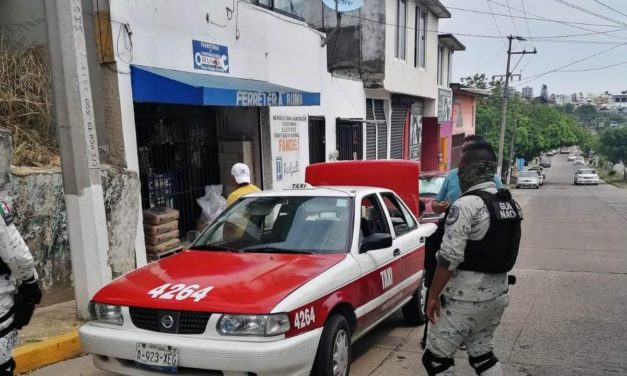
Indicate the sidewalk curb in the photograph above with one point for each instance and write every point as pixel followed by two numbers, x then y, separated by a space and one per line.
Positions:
pixel 35 355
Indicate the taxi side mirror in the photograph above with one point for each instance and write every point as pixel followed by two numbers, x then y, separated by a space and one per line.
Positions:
pixel 376 241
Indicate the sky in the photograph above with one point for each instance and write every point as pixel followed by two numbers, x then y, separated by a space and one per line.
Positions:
pixel 558 43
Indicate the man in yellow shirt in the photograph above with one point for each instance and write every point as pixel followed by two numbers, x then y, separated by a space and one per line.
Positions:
pixel 241 175
pixel 234 228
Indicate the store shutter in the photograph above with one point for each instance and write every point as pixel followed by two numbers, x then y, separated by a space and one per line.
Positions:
pixel 399 111
pixel 371 132
pixel 382 129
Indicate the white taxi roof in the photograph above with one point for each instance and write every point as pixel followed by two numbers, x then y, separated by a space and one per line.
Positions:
pixel 307 190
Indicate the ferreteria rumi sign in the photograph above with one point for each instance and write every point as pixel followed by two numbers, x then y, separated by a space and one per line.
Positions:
pixel 286 147
pixel 445 105
pixel 272 99
pixel 210 57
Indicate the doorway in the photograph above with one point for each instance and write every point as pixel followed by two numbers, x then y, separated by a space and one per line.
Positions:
pixel 349 136
pixel 317 140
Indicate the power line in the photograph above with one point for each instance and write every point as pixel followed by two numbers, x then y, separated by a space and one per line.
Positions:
pixel 586 11
pixel 496 24
pixel 565 23
pixel 511 17
pixel 593 69
pixel 535 77
pixel 544 19
pixel 522 2
pixel 548 38
pixel 609 7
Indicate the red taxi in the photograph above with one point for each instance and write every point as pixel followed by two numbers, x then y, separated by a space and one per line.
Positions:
pixel 281 283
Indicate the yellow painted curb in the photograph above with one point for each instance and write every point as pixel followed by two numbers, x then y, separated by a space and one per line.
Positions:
pixel 35 355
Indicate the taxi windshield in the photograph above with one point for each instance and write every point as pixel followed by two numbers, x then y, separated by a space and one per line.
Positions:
pixel 281 224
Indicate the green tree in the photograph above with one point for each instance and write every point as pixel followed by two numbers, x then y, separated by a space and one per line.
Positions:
pixel 613 144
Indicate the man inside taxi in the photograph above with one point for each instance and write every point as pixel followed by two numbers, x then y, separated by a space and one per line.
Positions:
pixel 235 227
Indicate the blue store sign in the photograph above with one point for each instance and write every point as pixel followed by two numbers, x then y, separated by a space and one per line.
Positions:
pixel 210 57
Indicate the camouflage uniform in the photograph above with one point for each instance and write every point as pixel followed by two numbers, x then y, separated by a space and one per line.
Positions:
pixel 472 302
pixel 19 267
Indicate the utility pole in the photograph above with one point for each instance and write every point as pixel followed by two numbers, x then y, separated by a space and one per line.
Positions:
pixel 78 144
pixel 508 74
pixel 511 153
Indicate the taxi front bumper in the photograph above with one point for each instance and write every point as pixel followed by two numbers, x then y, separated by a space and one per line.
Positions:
pixel 114 350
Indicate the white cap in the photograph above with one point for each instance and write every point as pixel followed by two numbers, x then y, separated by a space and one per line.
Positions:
pixel 241 173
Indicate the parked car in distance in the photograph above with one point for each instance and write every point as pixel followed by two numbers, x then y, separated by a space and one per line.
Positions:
pixel 571 157
pixel 586 176
pixel 429 187
pixel 545 163
pixel 528 179
pixel 564 150
pixel 579 161
pixel 540 171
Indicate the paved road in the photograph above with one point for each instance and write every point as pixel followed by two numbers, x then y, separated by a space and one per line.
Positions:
pixel 568 313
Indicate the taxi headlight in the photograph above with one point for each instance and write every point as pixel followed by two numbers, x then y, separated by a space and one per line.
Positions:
pixel 106 313
pixel 254 325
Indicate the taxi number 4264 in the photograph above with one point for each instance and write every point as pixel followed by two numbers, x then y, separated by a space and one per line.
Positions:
pixel 179 291
pixel 304 318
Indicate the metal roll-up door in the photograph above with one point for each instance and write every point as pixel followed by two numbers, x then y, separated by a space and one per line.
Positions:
pixel 371 132
pixel 397 125
pixel 382 129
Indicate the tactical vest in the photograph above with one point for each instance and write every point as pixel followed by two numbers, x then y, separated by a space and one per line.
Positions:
pixel 497 251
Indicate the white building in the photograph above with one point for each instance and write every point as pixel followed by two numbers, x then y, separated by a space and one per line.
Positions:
pixel 527 92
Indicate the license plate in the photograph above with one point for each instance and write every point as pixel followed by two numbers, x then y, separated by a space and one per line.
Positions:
pixel 162 358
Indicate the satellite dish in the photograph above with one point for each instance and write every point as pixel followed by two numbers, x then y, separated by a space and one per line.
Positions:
pixel 344 5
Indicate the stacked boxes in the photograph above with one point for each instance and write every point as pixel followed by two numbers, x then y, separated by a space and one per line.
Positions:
pixel 161 229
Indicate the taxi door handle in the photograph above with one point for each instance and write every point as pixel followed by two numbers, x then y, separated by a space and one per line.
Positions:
pixel 396 252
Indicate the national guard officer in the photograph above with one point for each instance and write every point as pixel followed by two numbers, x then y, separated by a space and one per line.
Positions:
pixel 469 291
pixel 19 290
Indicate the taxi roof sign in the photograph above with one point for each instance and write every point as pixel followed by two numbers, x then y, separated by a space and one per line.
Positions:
pixel 301 186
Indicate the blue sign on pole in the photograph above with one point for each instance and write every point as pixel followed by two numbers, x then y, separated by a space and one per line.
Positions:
pixel 344 5
pixel 210 57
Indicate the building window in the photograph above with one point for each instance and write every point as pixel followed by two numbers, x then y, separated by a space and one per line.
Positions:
pixel 450 68
pixel 293 8
pixel 440 65
pixel 401 28
pixel 421 28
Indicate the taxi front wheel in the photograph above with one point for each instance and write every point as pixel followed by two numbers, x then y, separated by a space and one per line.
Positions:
pixel 334 351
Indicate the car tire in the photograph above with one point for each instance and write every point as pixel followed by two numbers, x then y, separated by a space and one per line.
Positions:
pixel 537 186
pixel 334 350
pixel 412 310
pixel 518 187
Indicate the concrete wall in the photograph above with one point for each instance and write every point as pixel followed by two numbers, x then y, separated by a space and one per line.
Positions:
pixel 358 50
pixel 37 197
pixel 38 200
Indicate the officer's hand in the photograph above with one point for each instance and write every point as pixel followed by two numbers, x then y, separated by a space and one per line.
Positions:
pixel 433 310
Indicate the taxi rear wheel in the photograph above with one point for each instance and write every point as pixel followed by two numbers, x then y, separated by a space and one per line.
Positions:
pixel 334 351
